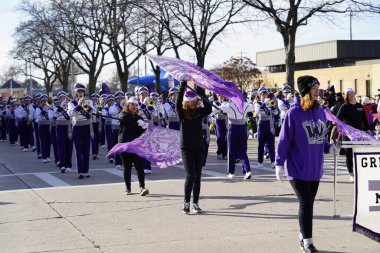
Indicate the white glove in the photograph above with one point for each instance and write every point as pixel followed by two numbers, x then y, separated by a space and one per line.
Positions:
pixel 334 149
pixel 280 173
pixel 142 124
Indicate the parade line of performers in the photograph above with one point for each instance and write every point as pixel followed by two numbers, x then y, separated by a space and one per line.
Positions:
pixel 103 120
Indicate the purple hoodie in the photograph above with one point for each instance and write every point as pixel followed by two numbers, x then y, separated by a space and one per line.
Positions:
pixel 302 143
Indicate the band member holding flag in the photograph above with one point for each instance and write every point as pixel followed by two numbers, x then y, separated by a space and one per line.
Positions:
pixel 191 135
pixel 301 145
pixel 170 111
pixel 131 127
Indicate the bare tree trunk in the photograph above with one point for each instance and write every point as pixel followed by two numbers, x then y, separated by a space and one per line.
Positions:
pixel 91 81
pixel 290 59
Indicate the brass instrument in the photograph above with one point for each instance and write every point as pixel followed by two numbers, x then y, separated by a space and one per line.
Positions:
pixel 84 105
pixel 151 102
pixel 50 102
pixel 100 109
pixel 271 103
pixel 323 103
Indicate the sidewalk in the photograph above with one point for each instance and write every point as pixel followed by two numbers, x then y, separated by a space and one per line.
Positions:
pixel 241 216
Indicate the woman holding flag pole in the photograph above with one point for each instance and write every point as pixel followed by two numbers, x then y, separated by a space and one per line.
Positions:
pixel 191 136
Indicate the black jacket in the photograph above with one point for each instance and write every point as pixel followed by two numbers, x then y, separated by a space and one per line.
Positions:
pixel 129 130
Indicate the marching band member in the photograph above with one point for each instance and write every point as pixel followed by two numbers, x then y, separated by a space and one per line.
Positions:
pixel 21 114
pixel 64 132
pixel 3 111
pixel 35 124
pixel 102 132
pixel 146 114
pixel 221 125
pixel 131 127
pixel 169 106
pixel 284 103
pixel 155 108
pixel 114 111
pixel 96 126
pixel 237 137
pixel 42 118
pixel 29 122
pixel 10 113
pixel 192 148
pixel 265 128
pixel 108 123
pixel 80 111
pixel 53 130
pixel 206 136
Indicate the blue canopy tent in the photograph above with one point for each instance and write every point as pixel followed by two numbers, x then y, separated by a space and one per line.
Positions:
pixel 150 81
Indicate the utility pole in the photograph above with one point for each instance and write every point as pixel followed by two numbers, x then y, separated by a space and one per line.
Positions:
pixel 350 24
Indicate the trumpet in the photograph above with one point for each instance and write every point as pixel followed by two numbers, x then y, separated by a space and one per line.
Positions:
pixel 323 103
pixel 271 103
pixel 99 110
pixel 151 102
pixel 84 105
pixel 50 102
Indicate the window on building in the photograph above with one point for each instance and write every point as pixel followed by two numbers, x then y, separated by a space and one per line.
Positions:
pixel 368 88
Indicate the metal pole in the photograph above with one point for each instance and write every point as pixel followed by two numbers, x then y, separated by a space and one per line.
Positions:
pixel 335 178
pixel 350 25
pixel 138 61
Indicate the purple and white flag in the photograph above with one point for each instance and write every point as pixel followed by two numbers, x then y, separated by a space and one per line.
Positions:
pixel 186 71
pixel 159 145
pixel 352 133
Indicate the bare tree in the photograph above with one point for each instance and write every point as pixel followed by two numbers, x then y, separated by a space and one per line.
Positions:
pixel 289 16
pixel 240 70
pixel 195 23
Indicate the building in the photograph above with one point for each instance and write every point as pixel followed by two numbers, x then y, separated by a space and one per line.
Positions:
pixel 342 63
pixel 12 88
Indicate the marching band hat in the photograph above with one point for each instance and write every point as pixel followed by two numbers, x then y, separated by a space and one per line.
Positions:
pixel 128 94
pixel 110 97
pixel 55 99
pixel 103 96
pixel 142 90
pixel 133 100
pixel 27 98
pixel 190 96
pixel 262 90
pixel 305 83
pixel 62 94
pixel 119 94
pixel 94 95
pixel 79 87
pixel 365 101
pixel 38 96
pixel 286 88
pixel 44 97
pixel 173 90
pixel 154 95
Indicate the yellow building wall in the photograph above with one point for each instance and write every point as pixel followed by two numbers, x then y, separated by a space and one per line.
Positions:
pixel 341 78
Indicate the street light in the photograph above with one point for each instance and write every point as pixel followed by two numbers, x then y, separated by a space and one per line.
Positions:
pixel 145 32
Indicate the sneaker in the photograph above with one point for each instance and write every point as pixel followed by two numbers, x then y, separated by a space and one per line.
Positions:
pixel 68 169
pixel 63 170
pixel 144 191
pixel 39 156
pixel 237 161
pixel 352 178
pixel 118 166
pixel 196 208
pixel 24 150
pixel 231 176
pixel 103 146
pixel 186 208
pixel 48 159
pixel 44 161
pixel 309 249
pixel 94 157
pixel 273 165
pixel 260 165
pixel 111 160
pixel 219 157
pixel 267 156
pixel 127 192
pixel 58 164
pixel 34 148
pixel 147 172
pixel 248 175
pixel 87 175
pixel 225 158
pixel 81 176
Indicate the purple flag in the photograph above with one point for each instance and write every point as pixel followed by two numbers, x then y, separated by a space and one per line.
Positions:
pixel 186 71
pixel 159 145
pixel 352 133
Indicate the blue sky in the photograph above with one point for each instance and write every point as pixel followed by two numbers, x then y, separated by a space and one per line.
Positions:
pixel 236 41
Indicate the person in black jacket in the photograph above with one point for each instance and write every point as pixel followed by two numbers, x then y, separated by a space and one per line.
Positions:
pixel 190 115
pixel 131 127
pixel 352 113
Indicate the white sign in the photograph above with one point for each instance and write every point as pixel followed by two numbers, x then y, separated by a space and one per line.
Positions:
pixel 367 192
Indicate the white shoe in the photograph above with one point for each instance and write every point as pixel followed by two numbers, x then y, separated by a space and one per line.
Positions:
pixel 231 176
pixel 48 159
pixel 68 169
pixel 118 166
pixel 273 165
pixel 260 165
pixel 147 172
pixel 248 175
pixel 63 170
pixel 103 146
pixel 44 160
pixel 25 150
pixel 352 178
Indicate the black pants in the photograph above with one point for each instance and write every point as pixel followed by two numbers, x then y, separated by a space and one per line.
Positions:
pixel 349 156
pixel 128 159
pixel 305 191
pixel 192 160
